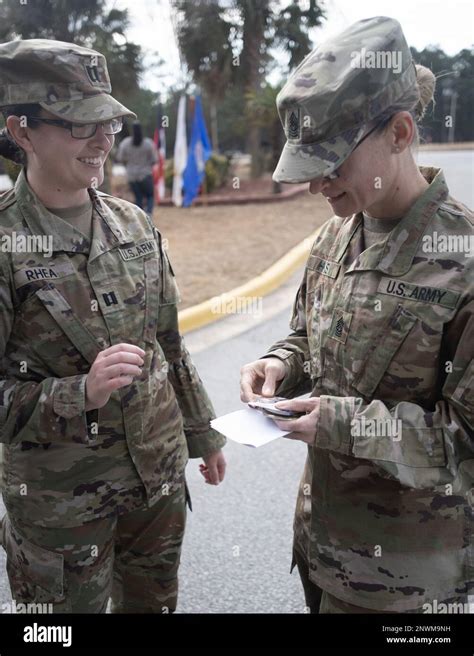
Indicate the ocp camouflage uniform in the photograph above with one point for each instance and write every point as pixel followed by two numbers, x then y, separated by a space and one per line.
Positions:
pixel 66 468
pixel 385 520
pixel 91 497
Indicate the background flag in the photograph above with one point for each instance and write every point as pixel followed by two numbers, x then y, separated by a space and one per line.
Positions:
pixel 159 168
pixel 180 153
pixel 199 152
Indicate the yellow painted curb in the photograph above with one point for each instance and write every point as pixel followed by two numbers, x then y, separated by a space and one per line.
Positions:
pixel 218 307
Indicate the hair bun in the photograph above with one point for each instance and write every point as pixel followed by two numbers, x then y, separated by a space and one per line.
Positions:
pixel 9 149
pixel 426 84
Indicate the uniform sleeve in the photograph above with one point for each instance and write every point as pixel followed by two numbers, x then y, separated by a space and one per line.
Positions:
pixel 431 446
pixel 294 351
pixel 192 398
pixel 46 411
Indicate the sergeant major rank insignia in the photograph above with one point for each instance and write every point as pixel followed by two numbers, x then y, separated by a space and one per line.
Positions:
pixel 293 123
pixel 340 323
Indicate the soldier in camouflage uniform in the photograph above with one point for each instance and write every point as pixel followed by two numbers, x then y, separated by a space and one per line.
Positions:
pixel 383 337
pixel 100 404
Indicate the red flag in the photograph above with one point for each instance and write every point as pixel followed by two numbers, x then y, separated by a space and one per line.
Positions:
pixel 159 138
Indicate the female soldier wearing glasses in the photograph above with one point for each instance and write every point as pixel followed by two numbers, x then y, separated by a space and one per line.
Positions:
pixel 100 404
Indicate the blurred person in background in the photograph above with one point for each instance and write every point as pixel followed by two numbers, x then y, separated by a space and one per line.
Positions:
pixel 139 154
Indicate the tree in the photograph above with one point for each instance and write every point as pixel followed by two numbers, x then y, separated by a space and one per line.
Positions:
pixel 453 75
pixel 204 40
pixel 227 43
pixel 84 22
pixel 261 111
pixel 265 26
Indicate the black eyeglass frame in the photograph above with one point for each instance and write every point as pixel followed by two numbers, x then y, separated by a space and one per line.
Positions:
pixel 334 175
pixel 68 125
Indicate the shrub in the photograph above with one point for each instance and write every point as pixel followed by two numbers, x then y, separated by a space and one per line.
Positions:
pixel 217 169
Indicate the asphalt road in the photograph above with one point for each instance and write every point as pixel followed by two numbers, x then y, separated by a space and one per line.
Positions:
pixel 237 550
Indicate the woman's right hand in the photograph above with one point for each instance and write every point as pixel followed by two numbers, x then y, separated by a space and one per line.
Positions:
pixel 113 368
pixel 260 378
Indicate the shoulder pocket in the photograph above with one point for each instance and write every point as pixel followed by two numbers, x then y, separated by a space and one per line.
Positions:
pixel 384 350
pixel 169 288
pixel 464 392
pixel 72 326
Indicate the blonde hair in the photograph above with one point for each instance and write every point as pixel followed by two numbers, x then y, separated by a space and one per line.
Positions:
pixel 426 83
pixel 415 101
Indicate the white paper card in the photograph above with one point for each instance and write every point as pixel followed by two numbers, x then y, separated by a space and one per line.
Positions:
pixel 249 427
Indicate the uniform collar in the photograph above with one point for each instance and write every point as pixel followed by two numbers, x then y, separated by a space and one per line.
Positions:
pixel 394 255
pixel 107 232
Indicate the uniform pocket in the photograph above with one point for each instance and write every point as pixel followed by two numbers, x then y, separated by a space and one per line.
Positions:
pixel 35 574
pixel 161 290
pixel 464 392
pixel 62 313
pixel 386 344
pixel 169 289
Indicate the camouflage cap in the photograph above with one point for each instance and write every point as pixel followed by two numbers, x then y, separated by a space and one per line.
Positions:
pixel 70 81
pixel 337 89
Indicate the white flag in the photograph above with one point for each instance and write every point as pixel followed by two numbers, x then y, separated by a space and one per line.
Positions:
pixel 180 153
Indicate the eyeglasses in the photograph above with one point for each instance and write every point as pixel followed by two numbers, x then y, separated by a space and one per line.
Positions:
pixel 334 175
pixel 83 130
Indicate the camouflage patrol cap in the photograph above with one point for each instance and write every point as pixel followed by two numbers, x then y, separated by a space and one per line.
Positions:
pixel 337 89
pixel 70 81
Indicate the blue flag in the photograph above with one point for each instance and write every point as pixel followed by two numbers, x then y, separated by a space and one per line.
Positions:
pixel 199 152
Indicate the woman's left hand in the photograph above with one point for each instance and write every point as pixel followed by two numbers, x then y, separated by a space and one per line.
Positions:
pixel 214 469
pixel 304 428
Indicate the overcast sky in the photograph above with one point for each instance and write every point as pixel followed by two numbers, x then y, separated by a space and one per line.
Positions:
pixel 425 22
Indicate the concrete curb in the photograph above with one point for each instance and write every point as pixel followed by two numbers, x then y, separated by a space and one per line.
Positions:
pixel 218 307
pixel 240 198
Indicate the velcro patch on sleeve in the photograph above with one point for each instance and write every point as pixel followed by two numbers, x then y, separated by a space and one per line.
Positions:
pixel 139 250
pixel 412 292
pixel 340 323
pixel 50 272
pixel 325 267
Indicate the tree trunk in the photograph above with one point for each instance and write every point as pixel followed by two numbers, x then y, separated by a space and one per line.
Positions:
pixel 254 16
pixel 214 131
pixel 253 147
